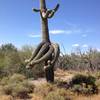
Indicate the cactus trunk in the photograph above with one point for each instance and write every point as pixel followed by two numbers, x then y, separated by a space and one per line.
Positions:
pixel 45 30
pixel 45 37
pixel 46 51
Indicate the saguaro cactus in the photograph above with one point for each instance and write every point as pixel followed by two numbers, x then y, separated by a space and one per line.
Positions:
pixel 46 51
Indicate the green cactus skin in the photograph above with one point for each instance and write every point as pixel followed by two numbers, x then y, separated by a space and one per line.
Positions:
pixel 45 50
pixel 56 52
pixel 52 12
pixel 45 57
pixel 44 19
pixel 34 54
pixel 45 30
pixel 42 51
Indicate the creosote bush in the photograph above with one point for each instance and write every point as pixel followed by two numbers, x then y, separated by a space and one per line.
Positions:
pixel 54 96
pixel 51 92
pixel 16 86
pixel 44 89
pixel 79 78
pixel 36 72
pixel 59 94
pixel 84 84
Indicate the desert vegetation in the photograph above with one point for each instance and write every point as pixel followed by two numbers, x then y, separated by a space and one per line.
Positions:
pixel 78 76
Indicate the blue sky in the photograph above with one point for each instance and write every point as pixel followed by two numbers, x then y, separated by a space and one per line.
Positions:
pixel 76 23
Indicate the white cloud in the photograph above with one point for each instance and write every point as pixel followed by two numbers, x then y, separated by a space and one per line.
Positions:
pixel 69 31
pixel 84 35
pixel 75 45
pixel 4 42
pixel 85 46
pixel 57 31
pixel 34 36
pixel 98 49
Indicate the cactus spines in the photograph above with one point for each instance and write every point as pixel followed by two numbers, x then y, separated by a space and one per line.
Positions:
pixel 46 51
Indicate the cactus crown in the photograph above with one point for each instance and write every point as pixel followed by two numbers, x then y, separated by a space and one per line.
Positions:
pixel 45 15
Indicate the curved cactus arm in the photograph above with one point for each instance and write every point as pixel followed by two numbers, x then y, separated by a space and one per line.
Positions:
pixel 56 8
pixel 49 13
pixel 56 52
pixel 52 12
pixel 42 51
pixel 45 57
pixel 35 52
pixel 36 10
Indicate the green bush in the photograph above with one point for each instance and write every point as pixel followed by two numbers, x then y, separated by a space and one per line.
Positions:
pixel 36 72
pixel 44 89
pixel 79 78
pixel 7 89
pixel 54 96
pixel 59 94
pixel 17 86
pixel 9 59
pixel 17 78
pixel 84 84
pixel 51 92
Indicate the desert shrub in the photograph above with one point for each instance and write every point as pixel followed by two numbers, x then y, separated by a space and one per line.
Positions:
pixel 4 81
pixel 54 96
pixel 36 97
pixel 98 84
pixel 17 78
pixel 51 92
pixel 84 84
pixel 36 72
pixel 12 60
pixel 6 97
pixel 26 72
pixel 44 89
pixel 79 78
pixel 61 83
pixel 17 86
pixel 59 94
pixel 83 89
pixel 97 75
pixel 7 89
pixel 20 91
pixel 79 60
pixel 9 59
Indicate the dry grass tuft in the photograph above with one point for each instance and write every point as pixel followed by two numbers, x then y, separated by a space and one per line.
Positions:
pixel 6 97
